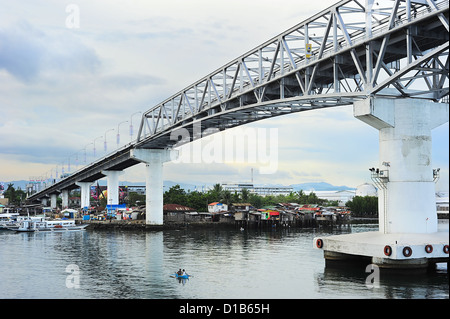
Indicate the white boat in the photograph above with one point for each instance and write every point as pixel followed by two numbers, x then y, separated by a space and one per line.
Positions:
pixel 48 226
pixel 8 220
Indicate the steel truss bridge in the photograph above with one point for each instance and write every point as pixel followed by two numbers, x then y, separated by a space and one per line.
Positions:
pixel 350 51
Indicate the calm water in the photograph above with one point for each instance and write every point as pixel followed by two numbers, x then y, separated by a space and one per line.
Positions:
pixel 224 264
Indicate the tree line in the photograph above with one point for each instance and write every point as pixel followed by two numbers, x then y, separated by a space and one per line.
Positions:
pixel 360 206
pixel 200 200
pixel 363 206
pixel 15 196
pixel 366 206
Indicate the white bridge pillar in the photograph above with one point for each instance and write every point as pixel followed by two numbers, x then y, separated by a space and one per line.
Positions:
pixel 85 193
pixel 112 180
pixel 44 201
pixel 154 159
pixel 407 202
pixel 65 198
pixel 53 200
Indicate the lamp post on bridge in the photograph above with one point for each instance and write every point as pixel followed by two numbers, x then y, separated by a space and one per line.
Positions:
pixel 85 152
pixel 94 143
pixel 105 143
pixel 131 125
pixel 118 132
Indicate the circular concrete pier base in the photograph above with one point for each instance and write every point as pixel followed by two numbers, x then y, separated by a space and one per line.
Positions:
pixel 403 264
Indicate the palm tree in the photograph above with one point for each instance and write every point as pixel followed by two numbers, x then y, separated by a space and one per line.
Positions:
pixel 217 188
pixel 245 194
pixel 216 192
pixel 226 197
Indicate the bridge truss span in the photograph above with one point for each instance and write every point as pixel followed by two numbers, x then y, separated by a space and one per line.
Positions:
pixel 350 51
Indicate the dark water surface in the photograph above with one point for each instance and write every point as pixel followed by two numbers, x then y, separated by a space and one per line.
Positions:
pixel 224 264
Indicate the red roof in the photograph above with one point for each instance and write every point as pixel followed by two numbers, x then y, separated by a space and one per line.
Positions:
pixel 215 203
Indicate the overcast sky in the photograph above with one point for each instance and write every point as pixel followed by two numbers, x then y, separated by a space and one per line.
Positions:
pixel 65 81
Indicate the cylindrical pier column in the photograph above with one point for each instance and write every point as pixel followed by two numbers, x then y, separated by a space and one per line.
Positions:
pixel 154 193
pixel 65 198
pixel 154 159
pixel 407 203
pixel 85 190
pixel 53 200
pixel 112 180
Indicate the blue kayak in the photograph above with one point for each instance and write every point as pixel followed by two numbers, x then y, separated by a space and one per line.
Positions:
pixel 175 275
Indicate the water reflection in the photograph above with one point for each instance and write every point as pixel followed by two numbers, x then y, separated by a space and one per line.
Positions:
pixel 224 264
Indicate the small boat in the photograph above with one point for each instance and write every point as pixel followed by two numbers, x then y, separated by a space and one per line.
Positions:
pixel 8 220
pixel 48 226
pixel 175 275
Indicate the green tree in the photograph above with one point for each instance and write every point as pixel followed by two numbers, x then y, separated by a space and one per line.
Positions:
pixel 366 206
pixel 15 196
pixel 175 195
pixel 226 197
pixel 255 200
pixel 197 201
pixel 245 195
pixel 135 199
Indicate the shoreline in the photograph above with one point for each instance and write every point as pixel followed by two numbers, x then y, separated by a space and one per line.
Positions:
pixel 140 225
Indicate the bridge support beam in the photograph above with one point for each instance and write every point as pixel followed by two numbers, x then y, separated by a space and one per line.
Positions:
pixel 112 180
pixel 406 202
pixel 408 236
pixel 85 190
pixel 154 159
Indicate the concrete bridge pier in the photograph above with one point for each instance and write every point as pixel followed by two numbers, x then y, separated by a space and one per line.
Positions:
pixel 408 235
pixel 65 198
pixel 53 200
pixel 44 201
pixel 85 190
pixel 154 160
pixel 112 180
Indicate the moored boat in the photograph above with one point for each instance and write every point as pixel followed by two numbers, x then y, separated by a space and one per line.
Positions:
pixel 48 226
pixel 8 220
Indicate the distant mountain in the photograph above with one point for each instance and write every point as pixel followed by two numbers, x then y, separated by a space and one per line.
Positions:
pixel 321 186
pixel 22 184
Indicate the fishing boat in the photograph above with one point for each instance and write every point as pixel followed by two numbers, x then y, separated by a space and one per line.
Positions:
pixel 8 220
pixel 48 226
pixel 185 276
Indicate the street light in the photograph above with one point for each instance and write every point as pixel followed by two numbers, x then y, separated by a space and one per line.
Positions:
pixel 131 124
pixel 94 143
pixel 118 133
pixel 85 152
pixel 105 143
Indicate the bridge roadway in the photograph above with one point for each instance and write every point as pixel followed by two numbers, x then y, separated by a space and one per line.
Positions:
pixel 346 53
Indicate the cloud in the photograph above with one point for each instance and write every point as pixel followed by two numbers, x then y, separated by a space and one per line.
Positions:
pixel 21 53
pixel 27 52
pixel 130 81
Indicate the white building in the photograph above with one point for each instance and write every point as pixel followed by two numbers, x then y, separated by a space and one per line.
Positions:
pixel 341 197
pixel 259 190
pixel 366 189
pixel 217 207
